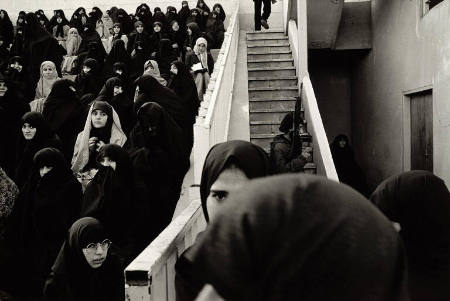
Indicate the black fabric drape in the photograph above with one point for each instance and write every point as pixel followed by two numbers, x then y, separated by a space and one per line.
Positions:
pixel 420 202
pixel 65 114
pixel 301 238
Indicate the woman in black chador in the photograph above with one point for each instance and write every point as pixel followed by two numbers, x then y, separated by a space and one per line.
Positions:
pixel 420 203
pixel 183 84
pixel 89 80
pixel 117 54
pixel 110 197
pixel 159 155
pixel 86 269
pixel 228 166
pixel 6 27
pixel 40 46
pixel 347 168
pixel 113 92
pixel 65 114
pixel 151 90
pixel 47 205
pixel 35 135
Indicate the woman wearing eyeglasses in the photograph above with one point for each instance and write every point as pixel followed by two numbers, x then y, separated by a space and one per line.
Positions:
pixel 85 269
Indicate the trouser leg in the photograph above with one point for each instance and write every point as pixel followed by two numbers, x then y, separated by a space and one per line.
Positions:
pixel 267 9
pixel 199 84
pixel 258 4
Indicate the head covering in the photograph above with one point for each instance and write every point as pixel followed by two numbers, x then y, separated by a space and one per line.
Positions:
pixel 117 136
pixel 71 261
pixel 248 157
pixel 222 14
pixel 202 56
pixel 154 71
pixel 287 123
pixel 420 202
pixel 44 85
pixel 302 237
pixel 73 42
pixel 118 53
pixel 61 103
pixel 150 90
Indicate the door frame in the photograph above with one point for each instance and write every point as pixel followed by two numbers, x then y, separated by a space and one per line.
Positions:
pixel 407 95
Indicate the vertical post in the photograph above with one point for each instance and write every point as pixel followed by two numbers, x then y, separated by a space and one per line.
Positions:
pixel 302 25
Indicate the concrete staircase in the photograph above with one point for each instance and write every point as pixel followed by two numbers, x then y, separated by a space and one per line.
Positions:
pixel 272 85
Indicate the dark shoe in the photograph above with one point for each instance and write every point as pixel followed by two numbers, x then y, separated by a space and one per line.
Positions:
pixel 264 24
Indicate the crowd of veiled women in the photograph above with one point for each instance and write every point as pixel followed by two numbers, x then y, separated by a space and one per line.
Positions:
pixel 98 116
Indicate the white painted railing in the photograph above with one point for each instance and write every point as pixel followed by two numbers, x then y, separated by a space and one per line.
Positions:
pixel 297 39
pixel 214 115
pixel 151 276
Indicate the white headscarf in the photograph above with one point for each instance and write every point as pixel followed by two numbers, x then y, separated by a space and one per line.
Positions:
pixel 73 42
pixel 203 57
pixel 151 67
pixel 81 149
pixel 44 85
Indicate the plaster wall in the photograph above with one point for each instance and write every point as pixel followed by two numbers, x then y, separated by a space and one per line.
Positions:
pixel 69 6
pixel 331 78
pixel 409 52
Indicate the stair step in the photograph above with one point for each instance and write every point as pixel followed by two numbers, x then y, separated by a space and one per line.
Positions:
pixel 266 31
pixel 274 115
pixel 272 105
pixel 278 110
pixel 269 49
pixel 263 37
pixel 287 88
pixel 264 122
pixel 268 81
pixel 272 99
pixel 272 92
pixel 271 44
pixel 271 71
pixel 264 128
pixel 262 136
pixel 269 56
pixel 272 60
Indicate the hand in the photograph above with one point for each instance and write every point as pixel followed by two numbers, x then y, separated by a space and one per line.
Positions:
pixel 307 156
pixel 100 144
pixel 206 13
pixel 153 54
pixel 92 143
pixel 188 48
pixel 175 45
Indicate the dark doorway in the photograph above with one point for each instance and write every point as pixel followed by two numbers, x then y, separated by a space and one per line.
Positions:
pixel 422 131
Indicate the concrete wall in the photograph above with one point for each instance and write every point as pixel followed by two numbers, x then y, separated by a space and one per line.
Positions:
pixel 69 6
pixel 409 52
pixel 330 74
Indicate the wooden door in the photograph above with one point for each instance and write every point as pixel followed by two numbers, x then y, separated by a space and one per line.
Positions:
pixel 422 131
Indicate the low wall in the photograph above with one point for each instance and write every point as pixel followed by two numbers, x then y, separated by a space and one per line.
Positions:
pixel 212 124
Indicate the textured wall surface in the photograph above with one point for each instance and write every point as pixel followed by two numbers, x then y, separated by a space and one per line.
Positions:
pixel 409 52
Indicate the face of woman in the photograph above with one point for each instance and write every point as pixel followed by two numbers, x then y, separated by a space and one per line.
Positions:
pixel 229 180
pixel 189 31
pixel 342 143
pixel 194 13
pixel 28 131
pixel 201 48
pixel 139 28
pixel 44 170
pixel 47 71
pixel 173 69
pixel 117 90
pixel 2 14
pixel 175 26
pixel 106 161
pixel 116 29
pixel 95 253
pixel 74 34
pixel 59 20
pixel 157 28
pixel 86 69
pixel 99 119
pixel 3 88
pixel 217 9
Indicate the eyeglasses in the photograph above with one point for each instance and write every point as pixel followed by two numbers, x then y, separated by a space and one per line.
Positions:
pixel 92 247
